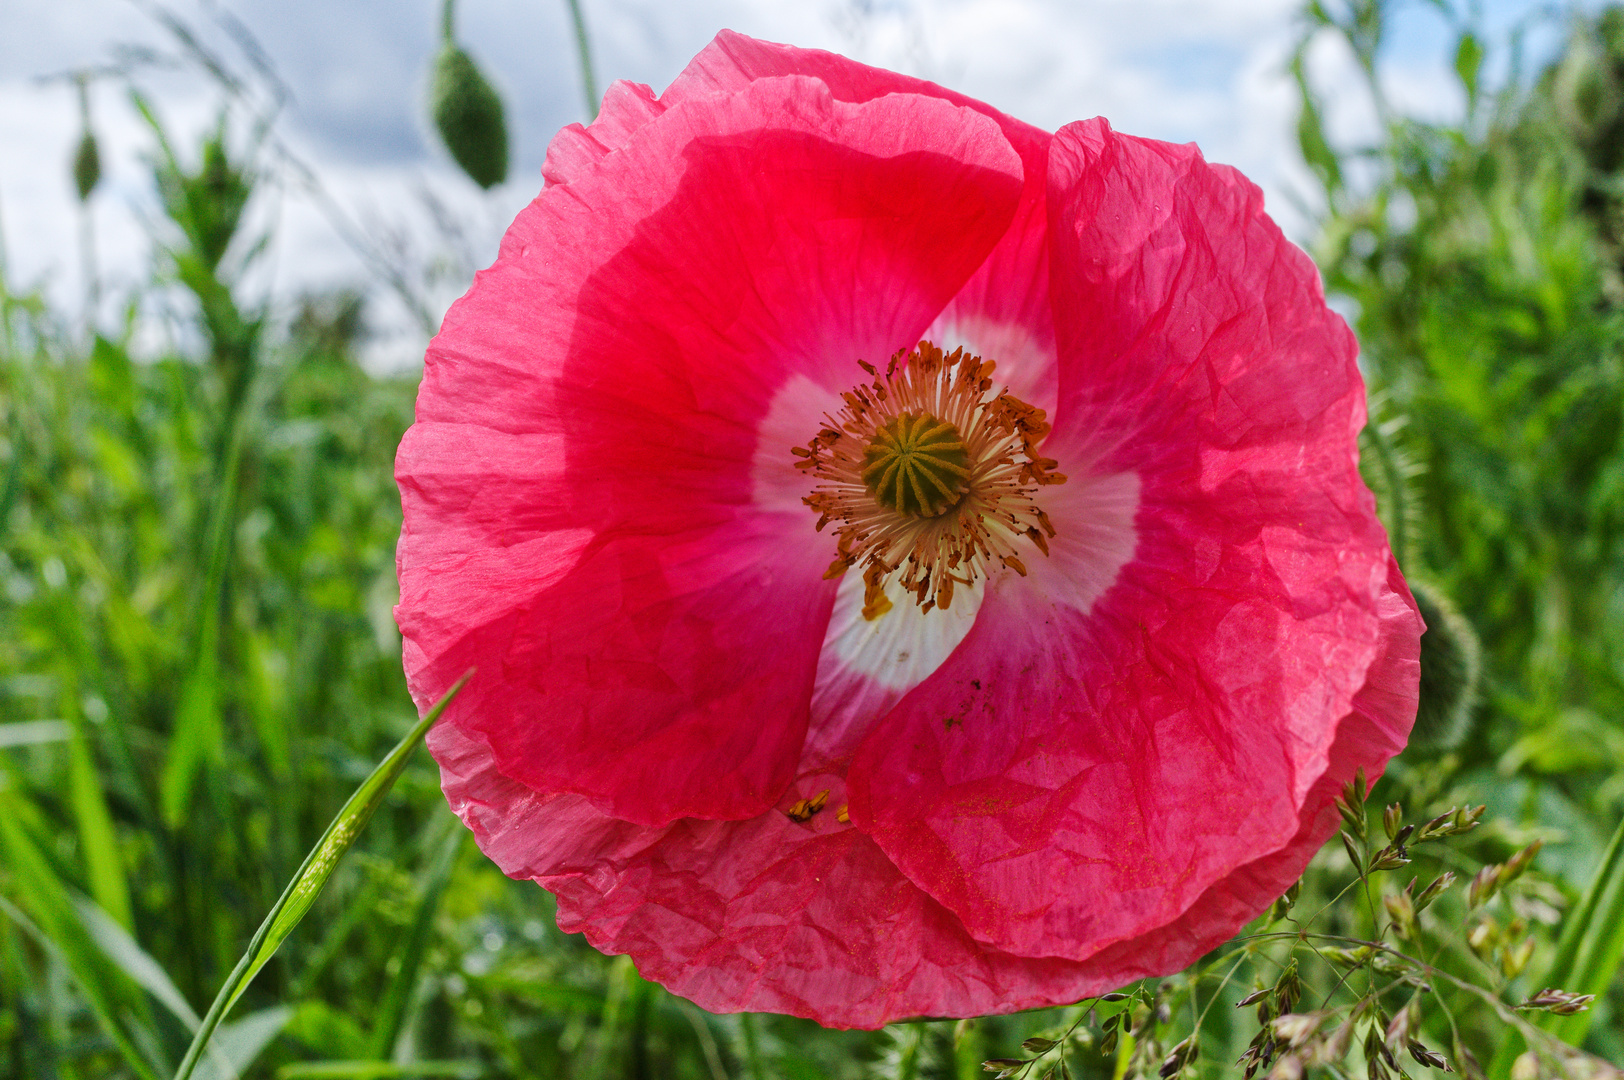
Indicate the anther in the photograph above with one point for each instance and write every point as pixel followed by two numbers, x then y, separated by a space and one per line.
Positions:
pixel 929 477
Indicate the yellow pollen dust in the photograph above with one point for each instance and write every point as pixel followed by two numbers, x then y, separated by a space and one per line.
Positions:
pixel 929 477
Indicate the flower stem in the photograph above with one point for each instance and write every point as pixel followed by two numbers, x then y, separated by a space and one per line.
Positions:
pixel 583 45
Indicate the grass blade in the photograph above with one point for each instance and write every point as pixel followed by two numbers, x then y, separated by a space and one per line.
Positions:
pixel 115 1002
pixel 104 863
pixel 34 732
pixel 1587 955
pixel 1592 943
pixel 312 876
pixel 199 735
pixel 379 1070
pixel 129 957
pixel 118 946
pixel 431 886
pixel 238 1044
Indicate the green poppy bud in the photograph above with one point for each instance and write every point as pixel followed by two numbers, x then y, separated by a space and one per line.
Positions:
pixel 86 166
pixel 1451 660
pixel 468 114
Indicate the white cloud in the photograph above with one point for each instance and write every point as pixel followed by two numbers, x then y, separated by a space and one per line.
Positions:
pixel 1205 70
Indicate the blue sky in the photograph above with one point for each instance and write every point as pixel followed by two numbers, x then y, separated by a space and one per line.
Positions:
pixel 1204 70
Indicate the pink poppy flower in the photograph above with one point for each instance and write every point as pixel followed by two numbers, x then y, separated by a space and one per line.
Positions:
pixel 831 673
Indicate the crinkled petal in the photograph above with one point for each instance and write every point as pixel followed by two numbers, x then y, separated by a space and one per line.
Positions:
pixel 732 62
pixel 1083 769
pixel 658 654
pixel 812 919
pixel 1002 313
pixel 1370 735
pixel 761 915
pixel 578 148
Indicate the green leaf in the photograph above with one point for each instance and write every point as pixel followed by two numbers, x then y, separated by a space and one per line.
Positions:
pixel 236 1045
pixel 233 1048
pixel 124 951
pixel 1592 943
pixel 115 1002
pixel 378 1070
pixel 611 1033
pixel 312 876
pixel 104 863
pixel 1315 148
pixel 33 732
pixel 198 734
pixel 1468 63
pixel 431 886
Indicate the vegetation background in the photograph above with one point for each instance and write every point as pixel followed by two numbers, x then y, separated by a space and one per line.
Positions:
pixel 198 663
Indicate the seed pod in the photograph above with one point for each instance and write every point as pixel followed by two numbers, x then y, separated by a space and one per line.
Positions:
pixel 86 166
pixel 87 156
pixel 468 114
pixel 1253 998
pixel 1289 1067
pixel 1435 890
pixel 1352 848
pixel 1288 988
pixel 1561 1002
pixel 1390 857
pixel 1515 865
pixel 1177 1058
pixel 1484 885
pixel 1430 1058
pixel 1295 1028
pixel 1401 909
pixel 1451 663
pixel 1392 818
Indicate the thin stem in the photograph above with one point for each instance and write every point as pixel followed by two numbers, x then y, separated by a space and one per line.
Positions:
pixel 752 1046
pixel 1201 1016
pixel 88 267
pixel 87 224
pixel 589 81
pixel 4 291
pixel 1506 1012
pixel 448 21
pixel 1329 904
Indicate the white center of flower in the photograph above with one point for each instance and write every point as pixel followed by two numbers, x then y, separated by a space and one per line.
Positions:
pixel 930 476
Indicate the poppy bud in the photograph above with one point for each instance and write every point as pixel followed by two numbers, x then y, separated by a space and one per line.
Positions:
pixel 1451 660
pixel 468 114
pixel 87 157
pixel 86 166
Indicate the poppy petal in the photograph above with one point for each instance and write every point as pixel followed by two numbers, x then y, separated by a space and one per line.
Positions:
pixel 643 318
pixel 1079 773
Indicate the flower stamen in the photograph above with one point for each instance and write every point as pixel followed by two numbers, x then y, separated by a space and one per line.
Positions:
pixel 930 476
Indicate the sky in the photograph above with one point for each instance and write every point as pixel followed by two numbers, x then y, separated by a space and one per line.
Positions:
pixel 1209 71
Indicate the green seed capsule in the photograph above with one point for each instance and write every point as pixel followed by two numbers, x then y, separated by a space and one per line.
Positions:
pixel 467 112
pixel 1451 659
pixel 86 166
